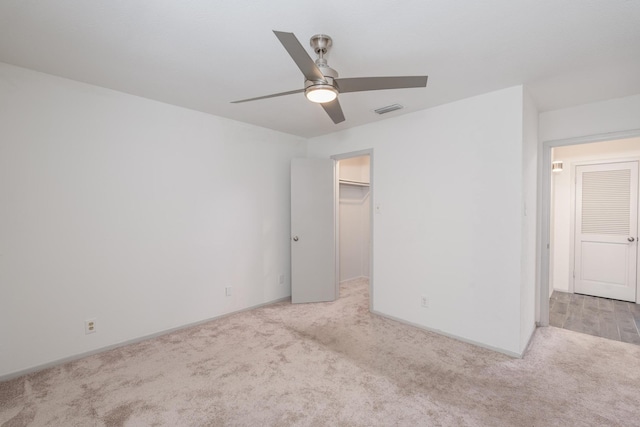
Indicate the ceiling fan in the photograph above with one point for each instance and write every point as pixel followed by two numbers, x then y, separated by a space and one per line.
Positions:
pixel 321 82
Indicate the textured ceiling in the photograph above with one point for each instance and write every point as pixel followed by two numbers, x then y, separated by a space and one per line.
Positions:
pixel 202 54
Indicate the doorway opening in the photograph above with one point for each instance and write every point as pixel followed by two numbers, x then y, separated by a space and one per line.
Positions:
pixel 592 275
pixel 354 222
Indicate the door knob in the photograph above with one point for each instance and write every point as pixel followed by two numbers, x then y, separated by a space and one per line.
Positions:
pixel 631 239
pixel 295 238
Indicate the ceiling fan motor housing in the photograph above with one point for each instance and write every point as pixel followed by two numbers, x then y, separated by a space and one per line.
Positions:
pixel 326 70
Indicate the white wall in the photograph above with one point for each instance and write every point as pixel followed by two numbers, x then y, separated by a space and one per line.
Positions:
pixel 529 285
pixel 354 219
pixel 449 182
pixel 130 211
pixel 615 115
pixel 561 207
pixel 355 169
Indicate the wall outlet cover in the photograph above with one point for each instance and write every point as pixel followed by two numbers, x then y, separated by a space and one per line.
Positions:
pixel 90 326
pixel 424 301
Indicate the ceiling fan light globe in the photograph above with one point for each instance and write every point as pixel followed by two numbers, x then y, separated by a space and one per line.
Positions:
pixel 321 94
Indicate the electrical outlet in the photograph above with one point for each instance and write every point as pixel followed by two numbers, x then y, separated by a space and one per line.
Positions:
pixel 281 279
pixel 424 301
pixel 90 326
pixel 227 291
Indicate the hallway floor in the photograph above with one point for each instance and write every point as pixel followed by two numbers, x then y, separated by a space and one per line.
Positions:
pixel 602 317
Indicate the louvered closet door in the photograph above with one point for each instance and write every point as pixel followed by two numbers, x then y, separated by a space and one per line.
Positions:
pixel 606 230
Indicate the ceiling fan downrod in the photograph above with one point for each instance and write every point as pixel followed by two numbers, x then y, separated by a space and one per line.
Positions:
pixel 321 44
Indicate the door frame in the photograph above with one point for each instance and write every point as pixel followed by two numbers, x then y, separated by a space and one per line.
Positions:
pixel 573 212
pixel 344 156
pixel 544 210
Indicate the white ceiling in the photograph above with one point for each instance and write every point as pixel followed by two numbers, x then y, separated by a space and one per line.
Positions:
pixel 202 54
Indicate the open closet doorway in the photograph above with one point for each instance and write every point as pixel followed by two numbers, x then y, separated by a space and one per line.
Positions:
pixel 354 223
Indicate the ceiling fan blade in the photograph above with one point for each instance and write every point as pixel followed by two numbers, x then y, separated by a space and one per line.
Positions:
pixel 269 96
pixel 334 111
pixel 360 84
pixel 300 56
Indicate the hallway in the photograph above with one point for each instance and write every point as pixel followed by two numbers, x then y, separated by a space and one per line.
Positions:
pixel 602 317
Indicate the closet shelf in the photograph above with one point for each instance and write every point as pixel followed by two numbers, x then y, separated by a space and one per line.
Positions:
pixel 356 183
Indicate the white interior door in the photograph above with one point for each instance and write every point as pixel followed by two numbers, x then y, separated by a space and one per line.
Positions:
pixel 606 231
pixel 313 259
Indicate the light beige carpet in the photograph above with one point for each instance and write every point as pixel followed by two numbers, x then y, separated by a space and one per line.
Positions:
pixel 332 364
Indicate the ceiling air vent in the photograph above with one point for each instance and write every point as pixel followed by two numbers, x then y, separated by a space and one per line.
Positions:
pixel 388 109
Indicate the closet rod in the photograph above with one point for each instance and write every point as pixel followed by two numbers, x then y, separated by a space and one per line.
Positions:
pixel 358 183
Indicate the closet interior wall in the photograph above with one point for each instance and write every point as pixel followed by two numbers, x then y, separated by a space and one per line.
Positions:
pixel 354 218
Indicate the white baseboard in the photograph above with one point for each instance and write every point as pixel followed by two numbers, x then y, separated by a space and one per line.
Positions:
pixel 57 362
pixel 455 337
pixel 531 334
